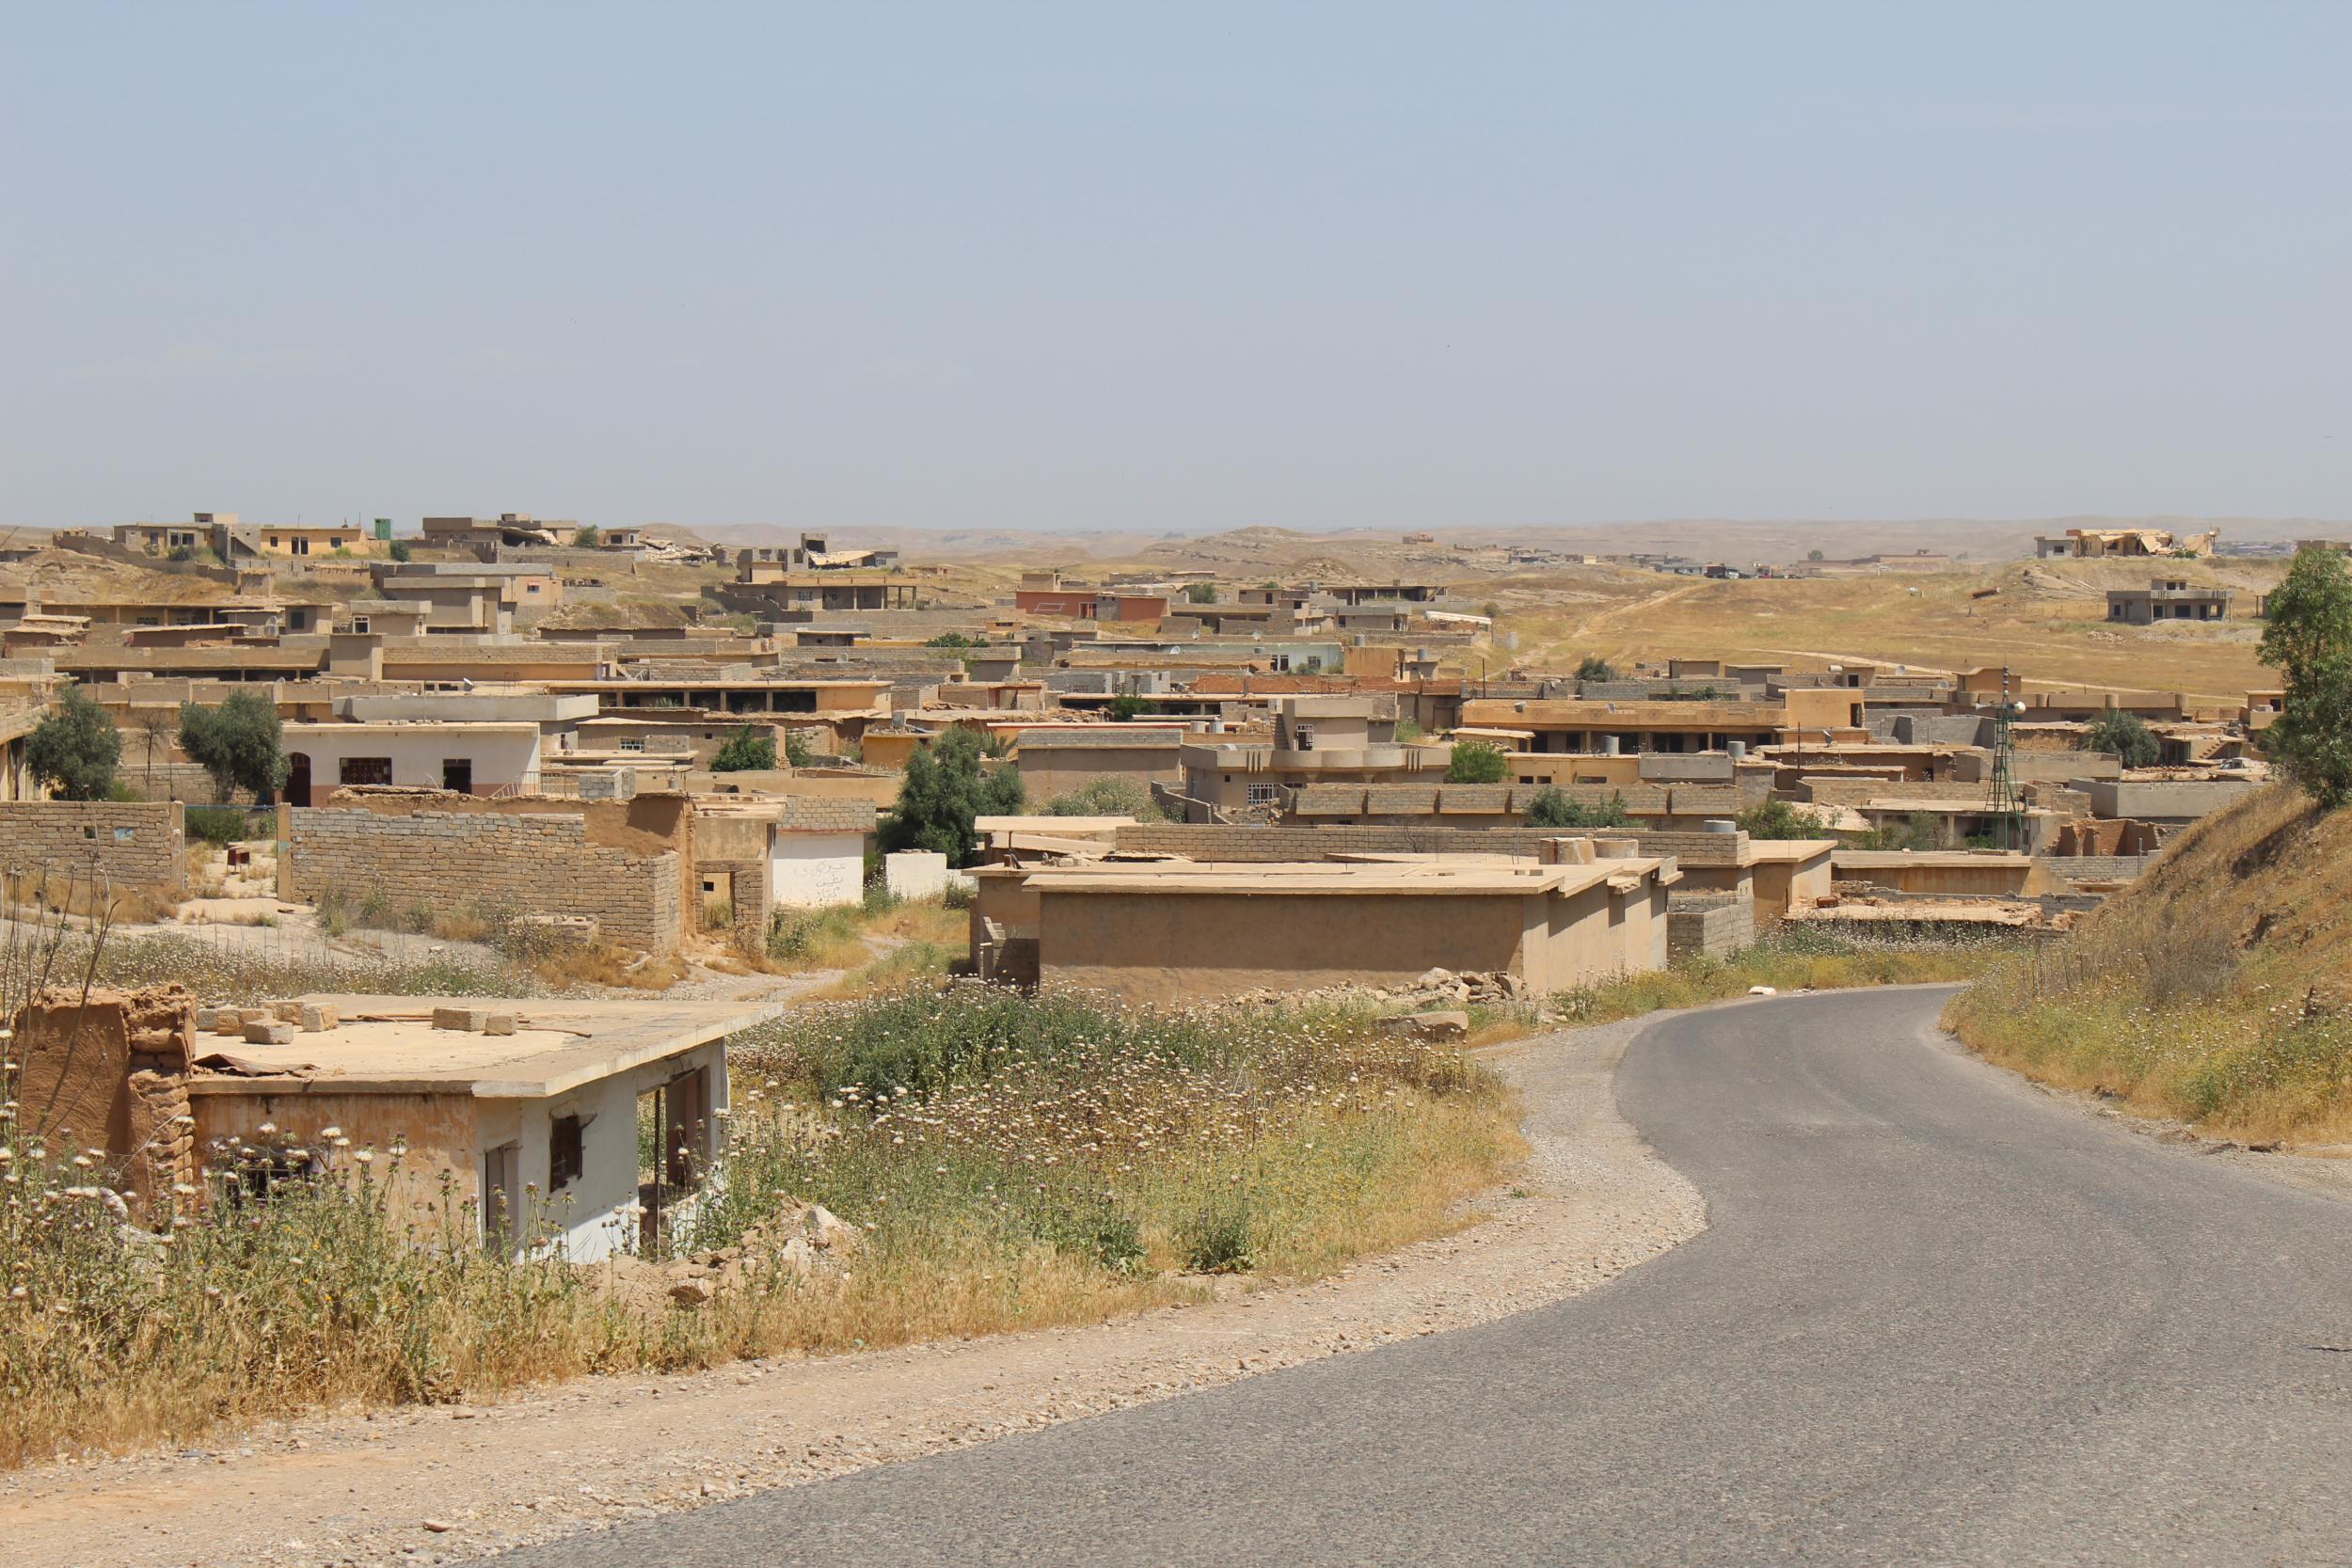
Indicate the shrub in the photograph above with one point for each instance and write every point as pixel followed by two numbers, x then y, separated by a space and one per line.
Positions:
pixel 1778 818
pixel 1549 808
pixel 748 750
pixel 1476 762
pixel 1201 593
pixel 1917 831
pixel 798 753
pixel 75 748
pixel 1594 667
pixel 216 824
pixel 1108 797
pixel 400 550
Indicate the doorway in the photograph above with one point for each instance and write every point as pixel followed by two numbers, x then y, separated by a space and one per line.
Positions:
pixel 501 1199
pixel 298 779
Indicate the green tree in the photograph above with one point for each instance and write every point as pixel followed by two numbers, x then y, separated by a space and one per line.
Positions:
pixel 1594 667
pixel 798 751
pixel 1108 797
pixel 75 749
pixel 946 784
pixel 1778 818
pixel 1491 611
pixel 1201 593
pixel 1550 808
pixel 586 538
pixel 2308 642
pixel 1407 731
pixel 400 550
pixel 2126 737
pixel 1476 762
pixel 239 743
pixel 1128 705
pixel 748 750
pixel 954 640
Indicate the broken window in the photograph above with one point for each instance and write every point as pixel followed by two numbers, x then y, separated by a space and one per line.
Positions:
pixel 565 1160
pixel 365 770
pixel 1265 795
pixel 457 774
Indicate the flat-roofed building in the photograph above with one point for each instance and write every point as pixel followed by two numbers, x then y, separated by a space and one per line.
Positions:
pixel 1169 934
pixel 2168 599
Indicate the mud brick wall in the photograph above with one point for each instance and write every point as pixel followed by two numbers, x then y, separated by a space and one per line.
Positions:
pixel 532 865
pixel 133 844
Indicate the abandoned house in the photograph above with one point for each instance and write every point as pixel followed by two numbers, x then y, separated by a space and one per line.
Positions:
pixel 530 1111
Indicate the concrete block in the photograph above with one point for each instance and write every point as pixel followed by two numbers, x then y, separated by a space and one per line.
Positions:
pixel 317 1019
pixel 269 1033
pixel 498 1023
pixel 472 1021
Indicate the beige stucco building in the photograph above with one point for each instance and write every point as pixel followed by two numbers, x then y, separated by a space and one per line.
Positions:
pixel 1167 933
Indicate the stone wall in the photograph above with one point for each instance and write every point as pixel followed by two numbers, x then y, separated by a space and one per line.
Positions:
pixel 532 865
pixel 132 844
pixel 1716 926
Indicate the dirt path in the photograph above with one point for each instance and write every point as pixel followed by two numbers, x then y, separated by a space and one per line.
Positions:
pixel 442 1485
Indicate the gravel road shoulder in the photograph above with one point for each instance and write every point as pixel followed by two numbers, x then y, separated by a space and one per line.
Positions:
pixel 444 1485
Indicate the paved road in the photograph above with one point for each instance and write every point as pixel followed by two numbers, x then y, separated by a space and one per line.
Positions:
pixel 1936 1319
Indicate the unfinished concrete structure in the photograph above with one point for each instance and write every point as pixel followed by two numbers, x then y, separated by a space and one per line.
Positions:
pixel 2168 599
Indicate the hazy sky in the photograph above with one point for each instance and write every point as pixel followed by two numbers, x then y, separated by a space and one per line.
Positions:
pixel 1182 266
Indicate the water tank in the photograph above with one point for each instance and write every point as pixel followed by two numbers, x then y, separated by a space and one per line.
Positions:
pixel 1609 745
pixel 1737 747
pixel 1718 825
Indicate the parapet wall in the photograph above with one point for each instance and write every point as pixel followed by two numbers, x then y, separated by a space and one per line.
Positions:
pixel 131 843
pixel 1204 842
pixel 531 864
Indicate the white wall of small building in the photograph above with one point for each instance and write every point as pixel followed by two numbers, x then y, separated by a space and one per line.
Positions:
pixel 596 1217
pixel 499 758
pixel 813 871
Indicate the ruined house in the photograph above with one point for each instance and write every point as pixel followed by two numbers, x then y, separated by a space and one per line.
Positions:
pixel 518 1120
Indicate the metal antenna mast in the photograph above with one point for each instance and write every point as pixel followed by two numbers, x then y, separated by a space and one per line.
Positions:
pixel 2004 813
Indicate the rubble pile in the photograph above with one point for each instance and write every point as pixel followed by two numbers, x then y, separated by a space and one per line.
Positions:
pixel 801 1239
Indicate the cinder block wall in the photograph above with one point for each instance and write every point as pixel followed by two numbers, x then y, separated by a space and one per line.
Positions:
pixel 535 864
pixel 132 844
pixel 1716 926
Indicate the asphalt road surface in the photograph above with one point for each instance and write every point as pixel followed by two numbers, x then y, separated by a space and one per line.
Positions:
pixel 1936 1319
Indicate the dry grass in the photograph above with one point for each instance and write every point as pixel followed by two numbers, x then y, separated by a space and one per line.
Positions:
pixel 1011 1163
pixel 602 964
pixel 2216 990
pixel 2048 621
pixel 1793 958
